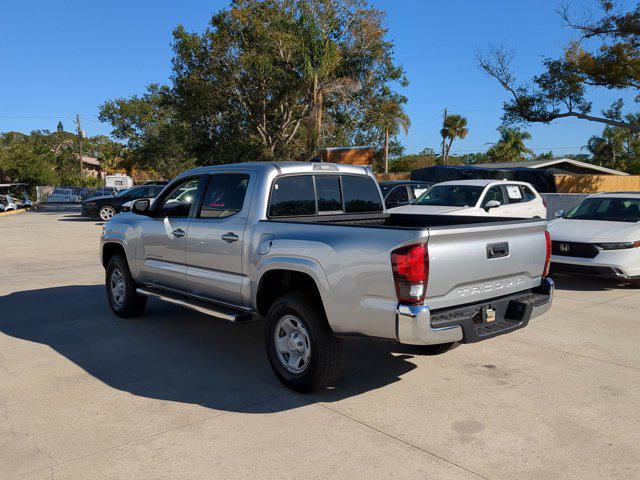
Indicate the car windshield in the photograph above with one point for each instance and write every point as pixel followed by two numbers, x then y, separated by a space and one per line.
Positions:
pixel 610 209
pixel 123 192
pixel 385 187
pixel 451 196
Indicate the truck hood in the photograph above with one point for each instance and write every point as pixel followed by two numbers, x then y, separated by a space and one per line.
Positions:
pixel 427 209
pixel 593 231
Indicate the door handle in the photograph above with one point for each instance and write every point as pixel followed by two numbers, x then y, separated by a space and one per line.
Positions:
pixel 178 232
pixel 230 237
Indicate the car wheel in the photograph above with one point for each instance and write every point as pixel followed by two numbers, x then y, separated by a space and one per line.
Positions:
pixel 106 212
pixel 121 289
pixel 303 351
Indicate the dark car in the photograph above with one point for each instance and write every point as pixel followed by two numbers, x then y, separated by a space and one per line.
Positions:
pixel 402 192
pixel 106 207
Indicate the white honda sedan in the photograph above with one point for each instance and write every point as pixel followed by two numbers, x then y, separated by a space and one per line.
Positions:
pixel 478 198
pixel 599 237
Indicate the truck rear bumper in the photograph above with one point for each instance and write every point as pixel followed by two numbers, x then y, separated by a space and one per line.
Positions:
pixel 418 325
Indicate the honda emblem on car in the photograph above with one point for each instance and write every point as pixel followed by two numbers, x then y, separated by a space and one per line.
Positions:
pixel 564 247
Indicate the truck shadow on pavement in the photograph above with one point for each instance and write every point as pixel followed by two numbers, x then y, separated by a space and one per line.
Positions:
pixel 174 354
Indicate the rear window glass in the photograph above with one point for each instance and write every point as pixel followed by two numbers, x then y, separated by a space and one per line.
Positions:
pixel 293 196
pixel 361 195
pixel 528 193
pixel 329 194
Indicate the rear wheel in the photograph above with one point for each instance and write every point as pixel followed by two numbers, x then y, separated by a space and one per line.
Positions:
pixel 121 289
pixel 302 350
pixel 106 212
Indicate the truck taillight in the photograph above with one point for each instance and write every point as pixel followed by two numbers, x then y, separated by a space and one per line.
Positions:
pixel 547 260
pixel 411 272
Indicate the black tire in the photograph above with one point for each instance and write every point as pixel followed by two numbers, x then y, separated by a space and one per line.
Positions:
pixel 435 349
pixel 325 358
pixel 131 303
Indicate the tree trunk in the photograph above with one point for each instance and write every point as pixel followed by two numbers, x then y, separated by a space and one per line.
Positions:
pixel 449 149
pixel 314 128
pixel 386 151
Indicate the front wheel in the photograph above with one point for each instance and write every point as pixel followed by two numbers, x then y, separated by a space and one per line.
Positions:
pixel 302 350
pixel 106 212
pixel 121 289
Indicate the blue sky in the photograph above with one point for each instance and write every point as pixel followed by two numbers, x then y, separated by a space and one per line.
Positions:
pixel 63 58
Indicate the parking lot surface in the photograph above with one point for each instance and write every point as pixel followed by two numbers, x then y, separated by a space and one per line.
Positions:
pixel 175 394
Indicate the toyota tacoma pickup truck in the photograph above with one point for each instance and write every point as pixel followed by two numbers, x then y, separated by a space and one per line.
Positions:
pixel 310 248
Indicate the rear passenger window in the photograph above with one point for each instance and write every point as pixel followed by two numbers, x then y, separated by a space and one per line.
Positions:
pixel 329 194
pixel 360 194
pixel 528 193
pixel 293 196
pixel 514 193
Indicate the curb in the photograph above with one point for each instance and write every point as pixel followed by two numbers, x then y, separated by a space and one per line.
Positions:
pixel 14 212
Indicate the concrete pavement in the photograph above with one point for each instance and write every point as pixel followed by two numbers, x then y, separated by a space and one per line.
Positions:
pixel 84 394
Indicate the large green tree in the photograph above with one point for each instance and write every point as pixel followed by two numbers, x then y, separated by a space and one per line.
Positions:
pixel 605 54
pixel 616 147
pixel 45 158
pixel 267 79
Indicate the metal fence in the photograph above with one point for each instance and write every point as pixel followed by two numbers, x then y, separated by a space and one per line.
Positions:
pixel 561 201
pixel 71 195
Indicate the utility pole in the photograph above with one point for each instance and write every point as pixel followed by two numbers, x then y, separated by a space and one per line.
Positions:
pixel 386 150
pixel 444 119
pixel 80 135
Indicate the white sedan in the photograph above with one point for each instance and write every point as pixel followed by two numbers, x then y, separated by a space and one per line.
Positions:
pixel 479 198
pixel 599 237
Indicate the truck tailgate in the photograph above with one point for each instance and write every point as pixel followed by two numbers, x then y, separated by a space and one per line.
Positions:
pixel 471 263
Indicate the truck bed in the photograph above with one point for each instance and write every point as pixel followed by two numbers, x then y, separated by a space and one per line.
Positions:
pixel 462 266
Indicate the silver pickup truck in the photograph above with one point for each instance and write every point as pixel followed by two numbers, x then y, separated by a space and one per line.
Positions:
pixel 310 247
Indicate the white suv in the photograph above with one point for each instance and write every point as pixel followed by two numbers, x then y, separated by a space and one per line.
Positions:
pixel 483 198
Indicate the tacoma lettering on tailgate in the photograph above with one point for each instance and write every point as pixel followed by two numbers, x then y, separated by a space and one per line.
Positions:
pixel 489 287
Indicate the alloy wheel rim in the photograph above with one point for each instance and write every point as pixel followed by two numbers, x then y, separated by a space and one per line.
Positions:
pixel 292 343
pixel 117 284
pixel 106 213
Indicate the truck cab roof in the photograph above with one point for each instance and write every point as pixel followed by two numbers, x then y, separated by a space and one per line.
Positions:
pixel 284 168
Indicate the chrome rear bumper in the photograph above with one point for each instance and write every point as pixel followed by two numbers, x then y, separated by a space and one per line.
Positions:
pixel 414 323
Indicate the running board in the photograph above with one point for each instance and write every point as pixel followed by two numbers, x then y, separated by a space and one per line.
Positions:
pixel 208 308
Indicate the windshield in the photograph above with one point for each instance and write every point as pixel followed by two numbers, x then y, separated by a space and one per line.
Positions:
pixel 123 192
pixel 451 196
pixel 386 187
pixel 607 209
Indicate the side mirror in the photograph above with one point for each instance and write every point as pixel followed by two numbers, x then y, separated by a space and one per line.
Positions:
pixel 141 207
pixel 560 214
pixel 491 204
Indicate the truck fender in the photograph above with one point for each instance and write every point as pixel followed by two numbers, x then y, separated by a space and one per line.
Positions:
pixel 302 265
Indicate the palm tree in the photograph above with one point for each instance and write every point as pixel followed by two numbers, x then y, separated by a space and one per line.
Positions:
pixel 321 76
pixel 510 147
pixel 454 126
pixel 608 147
pixel 390 119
